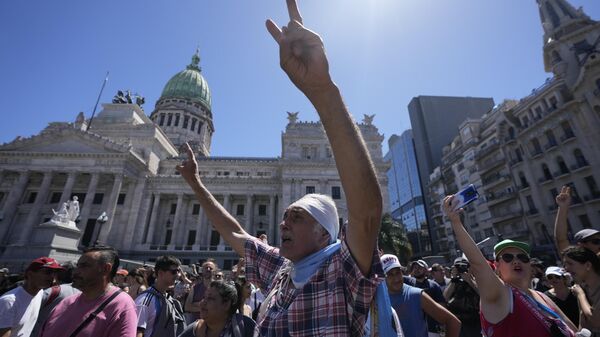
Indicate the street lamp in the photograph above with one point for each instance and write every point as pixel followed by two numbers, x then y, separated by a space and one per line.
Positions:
pixel 101 220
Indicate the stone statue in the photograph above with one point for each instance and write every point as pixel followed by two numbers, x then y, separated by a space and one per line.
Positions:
pixel 139 100
pixel 368 119
pixel 293 117
pixel 67 214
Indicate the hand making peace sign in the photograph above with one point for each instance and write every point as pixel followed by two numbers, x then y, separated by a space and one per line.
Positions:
pixel 301 53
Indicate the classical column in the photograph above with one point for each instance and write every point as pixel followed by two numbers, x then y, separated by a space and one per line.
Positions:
pixel 250 214
pixel 34 212
pixel 150 234
pixel 66 194
pixel 227 206
pixel 89 198
pixel 176 236
pixel 199 228
pixel 142 220
pixel 323 186
pixel 132 226
pixel 12 201
pixel 272 217
pixel 112 205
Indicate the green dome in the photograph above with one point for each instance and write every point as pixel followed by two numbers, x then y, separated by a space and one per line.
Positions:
pixel 189 84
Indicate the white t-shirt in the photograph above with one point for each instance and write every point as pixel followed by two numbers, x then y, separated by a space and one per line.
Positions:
pixel 147 304
pixel 19 311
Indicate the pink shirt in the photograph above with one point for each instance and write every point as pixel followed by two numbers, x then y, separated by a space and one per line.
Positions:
pixel 118 319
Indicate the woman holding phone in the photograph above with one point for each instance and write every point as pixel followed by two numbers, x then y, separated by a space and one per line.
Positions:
pixel 508 306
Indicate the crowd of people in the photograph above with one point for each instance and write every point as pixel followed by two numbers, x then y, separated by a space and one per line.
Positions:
pixel 325 279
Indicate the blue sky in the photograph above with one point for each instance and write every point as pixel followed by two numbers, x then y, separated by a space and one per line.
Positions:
pixel 54 55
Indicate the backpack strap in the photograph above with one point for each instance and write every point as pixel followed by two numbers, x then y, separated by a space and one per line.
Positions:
pixel 98 310
pixel 54 291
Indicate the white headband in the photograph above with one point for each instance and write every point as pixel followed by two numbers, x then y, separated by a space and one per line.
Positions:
pixel 322 208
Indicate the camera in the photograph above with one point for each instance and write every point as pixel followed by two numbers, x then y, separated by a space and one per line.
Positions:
pixel 462 268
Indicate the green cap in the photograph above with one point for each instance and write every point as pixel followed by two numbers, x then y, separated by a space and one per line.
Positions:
pixel 502 245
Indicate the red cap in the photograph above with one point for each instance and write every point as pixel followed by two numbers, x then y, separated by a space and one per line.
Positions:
pixel 44 262
pixel 123 272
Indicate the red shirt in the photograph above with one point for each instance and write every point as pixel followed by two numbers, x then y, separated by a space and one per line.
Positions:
pixel 523 320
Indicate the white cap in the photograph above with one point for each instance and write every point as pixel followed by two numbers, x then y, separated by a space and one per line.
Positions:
pixel 390 262
pixel 555 271
pixel 322 208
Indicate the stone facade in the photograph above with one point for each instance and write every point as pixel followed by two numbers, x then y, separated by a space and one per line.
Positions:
pixel 125 165
pixel 521 153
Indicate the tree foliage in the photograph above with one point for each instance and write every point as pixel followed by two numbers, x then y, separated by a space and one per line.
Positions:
pixel 393 239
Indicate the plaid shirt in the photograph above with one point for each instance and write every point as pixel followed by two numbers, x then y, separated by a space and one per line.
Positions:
pixel 335 302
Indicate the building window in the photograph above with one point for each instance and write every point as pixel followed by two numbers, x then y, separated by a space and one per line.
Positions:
pixel 162 119
pixel 551 138
pixel 262 209
pixel 121 199
pixel 576 199
pixel 585 221
pixel 194 121
pixel 546 171
pixel 592 186
pixel 98 197
pixel 173 208
pixel 523 180
pixel 199 127
pixel 168 235
pixel 55 197
pixel 31 197
pixel 562 165
pixel 196 209
pixel 530 203
pixel 336 192
pixel 176 120
pixel 186 120
pixel 214 238
pixel 567 130
pixel 310 189
pixel 169 119
pixel 191 237
pixel 537 148
pixel 580 158
pixel 240 209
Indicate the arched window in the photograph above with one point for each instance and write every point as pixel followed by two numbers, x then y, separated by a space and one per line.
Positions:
pixel 562 166
pixel 580 158
pixel 523 180
pixel 546 171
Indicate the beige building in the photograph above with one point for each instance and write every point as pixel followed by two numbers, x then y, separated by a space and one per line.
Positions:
pixel 124 165
pixel 526 150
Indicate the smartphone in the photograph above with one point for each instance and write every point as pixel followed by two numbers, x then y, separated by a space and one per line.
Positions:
pixel 464 197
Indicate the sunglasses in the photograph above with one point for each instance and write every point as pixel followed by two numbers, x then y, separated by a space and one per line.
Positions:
pixel 508 258
pixel 552 277
pixel 593 241
pixel 218 276
pixel 174 271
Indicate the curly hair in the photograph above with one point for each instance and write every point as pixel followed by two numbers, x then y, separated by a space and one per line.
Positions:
pixel 228 291
pixel 583 255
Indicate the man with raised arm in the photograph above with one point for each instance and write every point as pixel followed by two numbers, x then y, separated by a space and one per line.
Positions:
pixel 316 285
pixel 587 238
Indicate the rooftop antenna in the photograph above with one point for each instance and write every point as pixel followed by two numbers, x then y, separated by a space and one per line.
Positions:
pixel 98 100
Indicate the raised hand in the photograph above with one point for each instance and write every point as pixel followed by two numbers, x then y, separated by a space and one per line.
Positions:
pixel 563 199
pixel 301 53
pixel 189 167
pixel 453 215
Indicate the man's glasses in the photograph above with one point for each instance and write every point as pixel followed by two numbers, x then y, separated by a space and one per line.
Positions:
pixel 508 258
pixel 174 271
pixel 552 277
pixel 593 241
pixel 218 276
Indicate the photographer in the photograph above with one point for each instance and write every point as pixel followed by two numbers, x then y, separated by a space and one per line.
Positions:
pixel 463 298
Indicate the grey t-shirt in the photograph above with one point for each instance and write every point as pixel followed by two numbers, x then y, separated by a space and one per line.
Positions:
pixel 66 290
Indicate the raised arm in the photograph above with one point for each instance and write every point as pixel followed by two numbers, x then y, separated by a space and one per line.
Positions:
pixel 441 315
pixel 302 57
pixel 223 222
pixel 563 200
pixel 493 293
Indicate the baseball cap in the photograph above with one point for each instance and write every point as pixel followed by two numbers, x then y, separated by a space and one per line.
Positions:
pixel 421 263
pixel 461 260
pixel 585 233
pixel 4 270
pixel 123 272
pixel 555 271
pixel 44 262
pixel 502 245
pixel 390 262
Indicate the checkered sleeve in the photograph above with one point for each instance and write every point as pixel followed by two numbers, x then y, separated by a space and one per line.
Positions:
pixel 262 263
pixel 360 288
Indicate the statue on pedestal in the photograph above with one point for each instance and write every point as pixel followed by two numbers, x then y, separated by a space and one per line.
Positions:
pixel 67 214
